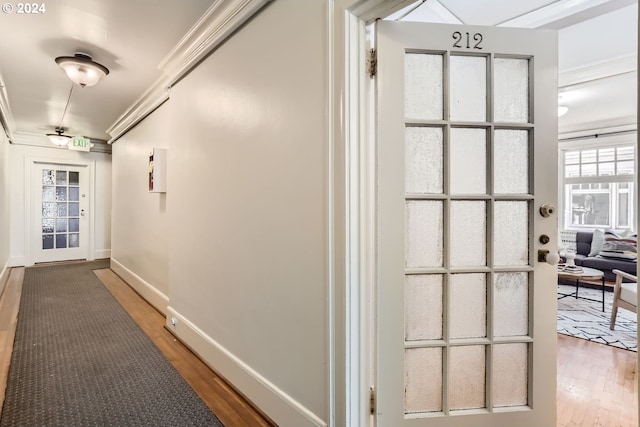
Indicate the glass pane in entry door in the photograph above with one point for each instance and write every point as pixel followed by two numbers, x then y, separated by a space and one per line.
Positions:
pixel 62 216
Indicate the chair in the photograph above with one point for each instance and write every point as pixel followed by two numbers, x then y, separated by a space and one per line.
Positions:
pixel 625 295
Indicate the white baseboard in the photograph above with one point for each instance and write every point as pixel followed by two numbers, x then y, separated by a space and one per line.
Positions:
pixel 4 276
pixel 274 402
pixel 153 296
pixel 102 254
pixel 18 261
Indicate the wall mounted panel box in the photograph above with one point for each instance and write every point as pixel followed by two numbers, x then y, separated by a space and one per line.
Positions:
pixel 158 170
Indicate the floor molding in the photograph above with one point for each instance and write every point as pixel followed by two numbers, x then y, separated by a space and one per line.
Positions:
pixel 280 407
pixel 153 296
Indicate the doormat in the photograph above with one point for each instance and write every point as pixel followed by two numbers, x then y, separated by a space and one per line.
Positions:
pixel 584 319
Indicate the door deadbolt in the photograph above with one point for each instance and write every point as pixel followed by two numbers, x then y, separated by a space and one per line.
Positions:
pixel 547 210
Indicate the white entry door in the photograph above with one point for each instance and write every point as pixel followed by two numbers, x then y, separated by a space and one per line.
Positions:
pixel 466 155
pixel 60 214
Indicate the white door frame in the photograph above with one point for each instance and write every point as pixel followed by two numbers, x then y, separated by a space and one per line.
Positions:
pixel 353 188
pixel 29 232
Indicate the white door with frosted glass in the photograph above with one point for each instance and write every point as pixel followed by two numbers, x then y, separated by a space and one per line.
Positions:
pixel 466 155
pixel 60 216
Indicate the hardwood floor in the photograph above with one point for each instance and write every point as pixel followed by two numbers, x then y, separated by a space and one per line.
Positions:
pixel 597 384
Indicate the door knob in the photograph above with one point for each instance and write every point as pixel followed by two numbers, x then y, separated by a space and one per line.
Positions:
pixel 549 257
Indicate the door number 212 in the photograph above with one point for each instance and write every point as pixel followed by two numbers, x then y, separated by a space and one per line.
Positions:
pixel 459 37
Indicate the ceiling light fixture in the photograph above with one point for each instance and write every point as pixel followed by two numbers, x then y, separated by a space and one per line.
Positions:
pixel 58 138
pixel 82 70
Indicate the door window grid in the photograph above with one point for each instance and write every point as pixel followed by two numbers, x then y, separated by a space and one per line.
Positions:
pixel 60 209
pixel 490 348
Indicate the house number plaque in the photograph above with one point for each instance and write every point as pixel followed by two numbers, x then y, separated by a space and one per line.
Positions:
pixel 472 41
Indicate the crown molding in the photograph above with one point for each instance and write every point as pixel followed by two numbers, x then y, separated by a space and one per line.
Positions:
pixel 151 99
pixel 598 70
pixel 6 118
pixel 219 21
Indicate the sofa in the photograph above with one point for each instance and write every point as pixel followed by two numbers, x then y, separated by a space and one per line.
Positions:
pixel 584 241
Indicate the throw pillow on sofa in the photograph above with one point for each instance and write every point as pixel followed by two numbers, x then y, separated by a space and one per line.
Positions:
pixel 619 247
pixel 596 242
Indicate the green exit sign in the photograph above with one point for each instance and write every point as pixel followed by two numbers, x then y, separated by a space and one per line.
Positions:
pixel 80 144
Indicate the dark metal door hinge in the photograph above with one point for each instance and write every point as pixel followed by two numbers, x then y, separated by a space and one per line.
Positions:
pixel 372 63
pixel 372 401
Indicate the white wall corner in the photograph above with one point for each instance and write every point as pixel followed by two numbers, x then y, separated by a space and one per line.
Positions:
pixel 153 296
pixel 282 408
pixel 217 23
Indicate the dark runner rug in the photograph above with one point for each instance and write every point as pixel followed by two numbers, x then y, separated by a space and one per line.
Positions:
pixel 80 360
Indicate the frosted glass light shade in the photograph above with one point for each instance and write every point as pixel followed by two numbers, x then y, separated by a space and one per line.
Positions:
pixel 82 70
pixel 58 138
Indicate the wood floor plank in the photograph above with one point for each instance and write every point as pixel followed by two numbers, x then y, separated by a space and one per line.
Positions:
pixel 9 307
pixel 228 405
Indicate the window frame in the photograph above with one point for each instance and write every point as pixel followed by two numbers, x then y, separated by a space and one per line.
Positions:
pixel 614 181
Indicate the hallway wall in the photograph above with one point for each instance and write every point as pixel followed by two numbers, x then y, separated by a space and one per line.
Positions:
pixel 245 224
pixel 140 250
pixel 4 210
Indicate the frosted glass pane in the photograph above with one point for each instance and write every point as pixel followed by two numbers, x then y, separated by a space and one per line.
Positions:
pixel 423 380
pixel 61 241
pixel 423 97
pixel 468 233
pixel 423 307
pixel 47 241
pixel 424 221
pixel 511 233
pixel 48 194
pixel 74 209
pixel 61 177
pixel 467 377
pixel 468 161
pixel 511 165
pixel 74 178
pixel 423 160
pixel 468 296
pixel 48 225
pixel 74 225
pixel 61 225
pixel 48 177
pixel 511 90
pixel 74 240
pixel 48 210
pixel 511 307
pixel 74 194
pixel 61 193
pixel 62 209
pixel 468 88
pixel 510 374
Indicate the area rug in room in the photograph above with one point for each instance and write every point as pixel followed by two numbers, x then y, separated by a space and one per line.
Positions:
pixel 584 319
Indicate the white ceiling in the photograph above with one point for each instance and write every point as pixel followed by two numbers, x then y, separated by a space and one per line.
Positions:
pixel 597 49
pixel 598 46
pixel 130 37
